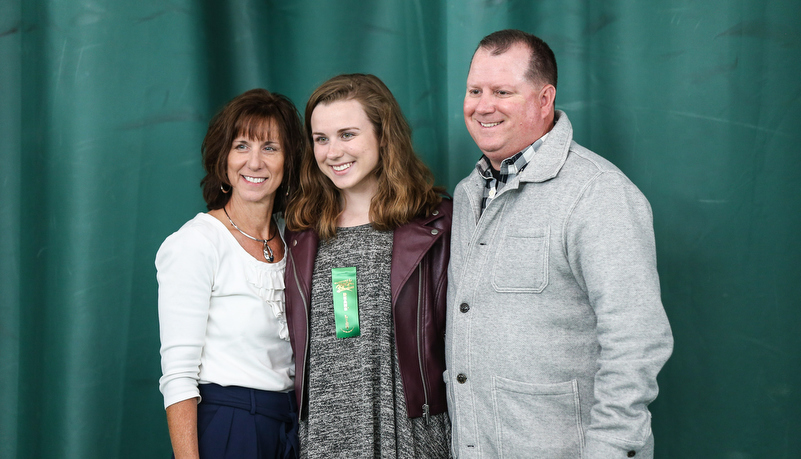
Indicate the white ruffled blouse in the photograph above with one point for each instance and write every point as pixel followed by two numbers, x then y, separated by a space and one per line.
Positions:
pixel 268 281
pixel 221 314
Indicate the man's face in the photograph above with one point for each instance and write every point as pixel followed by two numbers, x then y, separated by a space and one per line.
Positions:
pixel 503 111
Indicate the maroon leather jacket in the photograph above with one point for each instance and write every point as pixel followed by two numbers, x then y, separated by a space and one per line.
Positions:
pixel 418 278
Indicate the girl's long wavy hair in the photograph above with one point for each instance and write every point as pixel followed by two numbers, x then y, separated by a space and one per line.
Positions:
pixel 405 185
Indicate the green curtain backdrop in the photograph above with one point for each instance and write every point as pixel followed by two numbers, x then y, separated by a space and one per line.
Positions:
pixel 103 106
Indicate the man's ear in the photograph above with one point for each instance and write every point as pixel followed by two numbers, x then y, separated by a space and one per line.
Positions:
pixel 547 97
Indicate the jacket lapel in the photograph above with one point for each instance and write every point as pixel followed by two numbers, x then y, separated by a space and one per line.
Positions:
pixel 303 250
pixel 409 243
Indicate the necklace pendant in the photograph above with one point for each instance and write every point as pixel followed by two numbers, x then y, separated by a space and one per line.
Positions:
pixel 268 253
pixel 266 250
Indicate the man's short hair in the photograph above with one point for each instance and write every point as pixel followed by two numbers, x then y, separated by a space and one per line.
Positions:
pixel 542 62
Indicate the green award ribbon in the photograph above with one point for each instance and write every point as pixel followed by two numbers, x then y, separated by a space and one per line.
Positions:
pixel 346 302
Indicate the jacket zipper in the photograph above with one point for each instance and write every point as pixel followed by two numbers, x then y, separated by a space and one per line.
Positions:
pixel 426 416
pixel 305 348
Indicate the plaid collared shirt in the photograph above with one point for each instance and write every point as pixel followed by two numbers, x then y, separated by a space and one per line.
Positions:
pixel 510 167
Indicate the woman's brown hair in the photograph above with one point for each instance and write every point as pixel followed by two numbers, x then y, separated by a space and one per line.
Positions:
pixel 248 114
pixel 405 185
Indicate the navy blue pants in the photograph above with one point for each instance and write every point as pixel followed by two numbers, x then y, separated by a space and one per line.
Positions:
pixel 241 423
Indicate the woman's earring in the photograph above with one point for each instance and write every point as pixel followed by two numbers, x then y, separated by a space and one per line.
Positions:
pixel 223 189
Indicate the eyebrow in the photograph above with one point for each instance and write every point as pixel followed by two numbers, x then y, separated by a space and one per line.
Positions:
pixel 354 128
pixel 244 139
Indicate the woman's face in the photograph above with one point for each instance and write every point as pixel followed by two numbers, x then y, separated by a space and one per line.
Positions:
pixel 345 145
pixel 256 166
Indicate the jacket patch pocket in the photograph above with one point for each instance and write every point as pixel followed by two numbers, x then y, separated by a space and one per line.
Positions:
pixel 521 261
pixel 537 420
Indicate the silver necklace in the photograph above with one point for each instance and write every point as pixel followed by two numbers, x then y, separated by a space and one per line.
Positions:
pixel 268 252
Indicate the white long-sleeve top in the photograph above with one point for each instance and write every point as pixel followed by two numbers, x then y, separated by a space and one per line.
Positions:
pixel 221 314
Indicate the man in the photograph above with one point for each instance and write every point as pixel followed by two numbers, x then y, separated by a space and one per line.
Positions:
pixel 555 330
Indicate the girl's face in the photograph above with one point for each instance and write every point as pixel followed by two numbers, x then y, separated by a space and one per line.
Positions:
pixel 345 146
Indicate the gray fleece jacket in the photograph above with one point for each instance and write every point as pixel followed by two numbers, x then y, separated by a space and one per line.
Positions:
pixel 555 328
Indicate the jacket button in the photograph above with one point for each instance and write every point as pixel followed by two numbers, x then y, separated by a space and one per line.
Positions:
pixel 434 231
pixel 631 454
pixel 464 307
pixel 435 213
pixel 294 243
pixel 461 378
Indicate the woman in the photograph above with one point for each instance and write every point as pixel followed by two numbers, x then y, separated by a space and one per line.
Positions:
pixel 366 281
pixel 227 363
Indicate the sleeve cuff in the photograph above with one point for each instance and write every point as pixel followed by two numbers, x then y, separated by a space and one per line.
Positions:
pixel 597 448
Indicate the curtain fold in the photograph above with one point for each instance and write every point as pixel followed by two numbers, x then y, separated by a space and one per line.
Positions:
pixel 10 228
pixel 103 106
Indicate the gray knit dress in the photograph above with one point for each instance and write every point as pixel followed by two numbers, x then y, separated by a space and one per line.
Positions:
pixel 356 406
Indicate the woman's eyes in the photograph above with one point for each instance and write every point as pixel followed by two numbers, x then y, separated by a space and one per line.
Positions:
pixel 343 136
pixel 266 148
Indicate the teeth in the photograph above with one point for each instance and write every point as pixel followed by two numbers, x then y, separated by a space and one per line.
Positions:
pixel 489 124
pixel 254 179
pixel 342 167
